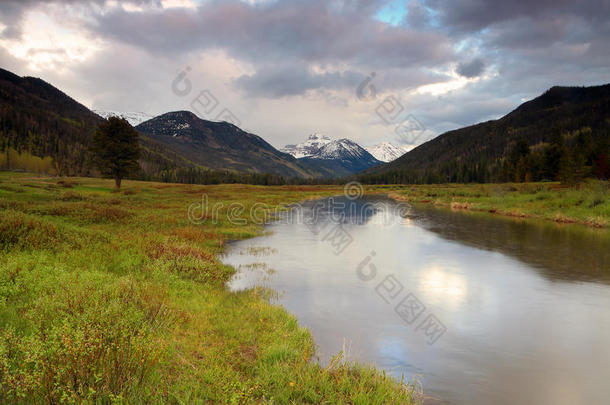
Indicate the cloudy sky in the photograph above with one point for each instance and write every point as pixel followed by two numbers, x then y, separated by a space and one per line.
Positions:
pixel 361 69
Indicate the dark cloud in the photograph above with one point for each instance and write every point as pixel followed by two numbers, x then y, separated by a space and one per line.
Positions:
pixel 275 82
pixel 12 11
pixel 418 15
pixel 474 15
pixel 303 31
pixel 471 69
pixel 284 41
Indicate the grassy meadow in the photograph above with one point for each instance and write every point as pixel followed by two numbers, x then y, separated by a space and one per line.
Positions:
pixel 586 203
pixel 116 297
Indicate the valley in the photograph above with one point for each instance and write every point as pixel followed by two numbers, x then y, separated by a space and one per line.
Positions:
pixel 149 293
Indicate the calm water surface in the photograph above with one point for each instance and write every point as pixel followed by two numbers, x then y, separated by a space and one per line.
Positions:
pixel 501 311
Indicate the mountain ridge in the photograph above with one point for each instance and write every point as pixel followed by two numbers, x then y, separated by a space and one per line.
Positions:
pixel 220 145
pixel 41 121
pixel 331 157
pixel 562 116
pixel 342 157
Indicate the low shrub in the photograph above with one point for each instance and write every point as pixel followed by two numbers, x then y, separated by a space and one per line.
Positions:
pixel 20 231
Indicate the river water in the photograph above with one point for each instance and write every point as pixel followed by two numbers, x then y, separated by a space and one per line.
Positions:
pixel 477 309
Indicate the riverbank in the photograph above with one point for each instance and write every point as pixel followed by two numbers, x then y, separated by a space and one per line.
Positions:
pixel 587 203
pixel 119 297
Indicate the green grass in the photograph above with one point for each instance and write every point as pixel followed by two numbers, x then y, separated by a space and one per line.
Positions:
pixel 115 297
pixel 587 203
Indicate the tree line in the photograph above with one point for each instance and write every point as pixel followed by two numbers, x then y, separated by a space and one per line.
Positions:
pixel 567 157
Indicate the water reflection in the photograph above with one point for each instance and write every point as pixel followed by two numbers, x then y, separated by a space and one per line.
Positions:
pixel 441 284
pixel 525 306
pixel 570 252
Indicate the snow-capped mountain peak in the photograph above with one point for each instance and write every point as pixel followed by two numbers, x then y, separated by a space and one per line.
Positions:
pixel 134 118
pixel 308 148
pixel 338 157
pixel 342 155
pixel 340 149
pixel 386 151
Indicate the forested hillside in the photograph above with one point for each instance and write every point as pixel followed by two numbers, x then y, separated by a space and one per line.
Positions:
pixel 561 135
pixel 220 145
pixel 44 130
pixel 40 120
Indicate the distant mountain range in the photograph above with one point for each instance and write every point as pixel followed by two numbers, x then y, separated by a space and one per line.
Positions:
pixel 340 157
pixel 41 120
pixel 220 145
pixel 383 152
pixel 332 158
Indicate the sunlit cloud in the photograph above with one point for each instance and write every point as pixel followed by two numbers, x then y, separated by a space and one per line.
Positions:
pixel 178 4
pixel 47 43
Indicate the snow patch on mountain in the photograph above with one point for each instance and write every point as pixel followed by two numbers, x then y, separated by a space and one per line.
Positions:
pixel 386 151
pixel 310 147
pixel 134 118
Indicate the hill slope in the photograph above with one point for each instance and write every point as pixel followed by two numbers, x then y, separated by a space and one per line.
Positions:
pixel 39 123
pixel 565 122
pixel 38 118
pixel 220 145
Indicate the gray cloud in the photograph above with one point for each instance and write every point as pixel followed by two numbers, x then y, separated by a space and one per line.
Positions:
pixel 304 31
pixel 294 80
pixel 417 15
pixel 13 10
pixel 474 15
pixel 471 69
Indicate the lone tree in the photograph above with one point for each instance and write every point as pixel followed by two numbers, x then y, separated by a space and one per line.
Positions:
pixel 116 149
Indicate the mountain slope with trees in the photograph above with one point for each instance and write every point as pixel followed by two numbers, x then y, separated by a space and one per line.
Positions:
pixel 561 135
pixel 43 129
pixel 39 119
pixel 220 145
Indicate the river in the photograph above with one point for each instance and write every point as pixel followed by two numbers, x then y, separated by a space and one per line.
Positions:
pixel 477 309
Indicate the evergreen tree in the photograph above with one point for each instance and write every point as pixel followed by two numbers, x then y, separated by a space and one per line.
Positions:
pixel 116 149
pixel 553 155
